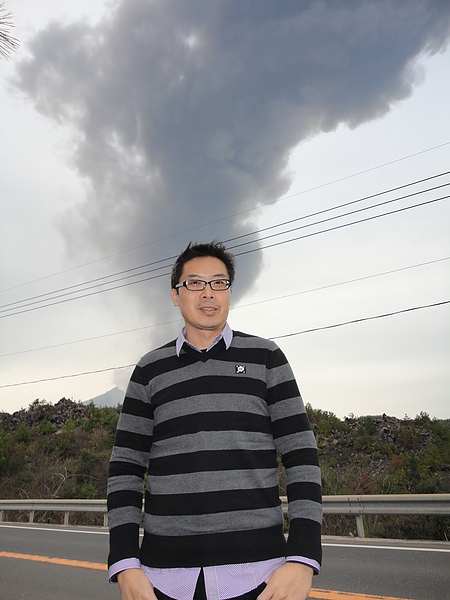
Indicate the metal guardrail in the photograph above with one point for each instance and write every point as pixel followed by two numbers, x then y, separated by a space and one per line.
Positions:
pixel 389 504
pixel 65 506
pixel 394 504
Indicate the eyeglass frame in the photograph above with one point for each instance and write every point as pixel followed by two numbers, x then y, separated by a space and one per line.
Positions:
pixel 183 284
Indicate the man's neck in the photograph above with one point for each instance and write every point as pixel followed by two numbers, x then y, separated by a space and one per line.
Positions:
pixel 202 338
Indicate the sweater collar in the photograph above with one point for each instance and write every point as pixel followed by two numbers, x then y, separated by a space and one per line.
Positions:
pixel 226 334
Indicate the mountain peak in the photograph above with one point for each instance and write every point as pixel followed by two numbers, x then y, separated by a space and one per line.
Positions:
pixel 112 398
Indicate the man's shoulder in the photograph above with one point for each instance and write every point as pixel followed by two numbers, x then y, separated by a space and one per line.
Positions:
pixel 165 351
pixel 248 340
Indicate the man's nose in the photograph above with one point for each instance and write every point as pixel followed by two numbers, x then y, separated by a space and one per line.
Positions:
pixel 208 292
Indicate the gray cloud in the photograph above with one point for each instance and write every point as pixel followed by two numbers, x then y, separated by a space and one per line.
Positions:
pixel 185 112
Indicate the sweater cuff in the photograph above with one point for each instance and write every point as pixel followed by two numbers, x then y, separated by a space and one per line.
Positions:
pixel 122 565
pixel 309 562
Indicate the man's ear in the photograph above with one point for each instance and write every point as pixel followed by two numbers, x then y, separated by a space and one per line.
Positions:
pixel 174 295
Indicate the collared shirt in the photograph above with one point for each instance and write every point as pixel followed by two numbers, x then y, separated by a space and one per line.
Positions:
pixel 222 581
pixel 226 334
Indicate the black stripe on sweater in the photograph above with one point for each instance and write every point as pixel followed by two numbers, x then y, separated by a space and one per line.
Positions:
pixel 282 391
pixel 162 366
pixel 136 408
pixel 290 425
pixel 276 359
pixel 302 456
pixel 218 549
pixel 124 498
pixel 120 468
pixel 211 421
pixel 257 356
pixel 213 460
pixel 203 503
pixel 212 384
pixel 305 491
pixel 136 441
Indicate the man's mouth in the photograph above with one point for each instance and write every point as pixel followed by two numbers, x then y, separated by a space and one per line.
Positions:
pixel 208 310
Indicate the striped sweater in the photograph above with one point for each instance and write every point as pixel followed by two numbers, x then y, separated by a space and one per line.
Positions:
pixel 203 430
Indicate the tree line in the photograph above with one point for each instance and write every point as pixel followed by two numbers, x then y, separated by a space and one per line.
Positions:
pixel 51 452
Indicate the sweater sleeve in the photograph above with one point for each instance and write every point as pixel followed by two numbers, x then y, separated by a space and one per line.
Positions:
pixel 127 469
pixel 295 442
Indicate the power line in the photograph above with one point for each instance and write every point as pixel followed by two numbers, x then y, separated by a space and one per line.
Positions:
pixel 66 376
pixel 303 192
pixel 332 285
pixel 91 339
pixel 352 322
pixel 335 325
pixel 347 214
pixel 301 237
pixel 324 287
pixel 352 202
pixel 77 285
pixel 36 301
pixel 19 312
pixel 258 249
pixel 23 309
pixel 252 233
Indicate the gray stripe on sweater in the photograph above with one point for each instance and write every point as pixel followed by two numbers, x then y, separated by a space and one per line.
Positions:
pixel 212 403
pixel 156 354
pixel 137 392
pixel 133 424
pixel 296 441
pixel 308 473
pixel 135 457
pixel 253 342
pixel 305 509
pixel 125 482
pixel 212 440
pixel 280 374
pixel 240 520
pixel 126 514
pixel 287 408
pixel 211 481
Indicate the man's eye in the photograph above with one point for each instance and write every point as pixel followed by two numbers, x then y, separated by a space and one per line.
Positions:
pixel 195 283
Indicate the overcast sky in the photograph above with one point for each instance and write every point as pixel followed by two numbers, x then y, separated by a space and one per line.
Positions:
pixel 131 127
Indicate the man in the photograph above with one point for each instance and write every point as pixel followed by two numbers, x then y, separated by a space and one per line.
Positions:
pixel 203 419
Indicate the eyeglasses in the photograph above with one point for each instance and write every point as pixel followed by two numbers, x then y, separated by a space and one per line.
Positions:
pixel 197 285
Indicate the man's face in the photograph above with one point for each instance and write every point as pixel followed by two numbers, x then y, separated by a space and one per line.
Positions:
pixel 205 310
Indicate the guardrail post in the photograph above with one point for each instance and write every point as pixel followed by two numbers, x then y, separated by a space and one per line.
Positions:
pixel 31 516
pixel 105 520
pixel 66 518
pixel 360 526
pixel 1 516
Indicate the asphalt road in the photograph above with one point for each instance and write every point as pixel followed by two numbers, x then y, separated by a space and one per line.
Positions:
pixel 67 563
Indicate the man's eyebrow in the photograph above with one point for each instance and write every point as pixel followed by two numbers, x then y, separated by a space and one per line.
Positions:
pixel 200 276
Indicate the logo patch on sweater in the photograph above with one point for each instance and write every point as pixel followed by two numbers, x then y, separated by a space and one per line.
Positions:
pixel 240 369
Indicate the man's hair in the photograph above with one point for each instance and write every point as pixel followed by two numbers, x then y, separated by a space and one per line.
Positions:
pixel 194 250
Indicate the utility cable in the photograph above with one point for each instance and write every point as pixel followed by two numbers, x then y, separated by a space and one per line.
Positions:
pixel 352 202
pixel 233 308
pixel 256 232
pixel 353 321
pixel 361 320
pixel 37 299
pixel 77 285
pixel 21 310
pixel 302 192
pixel 347 214
pixel 301 237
